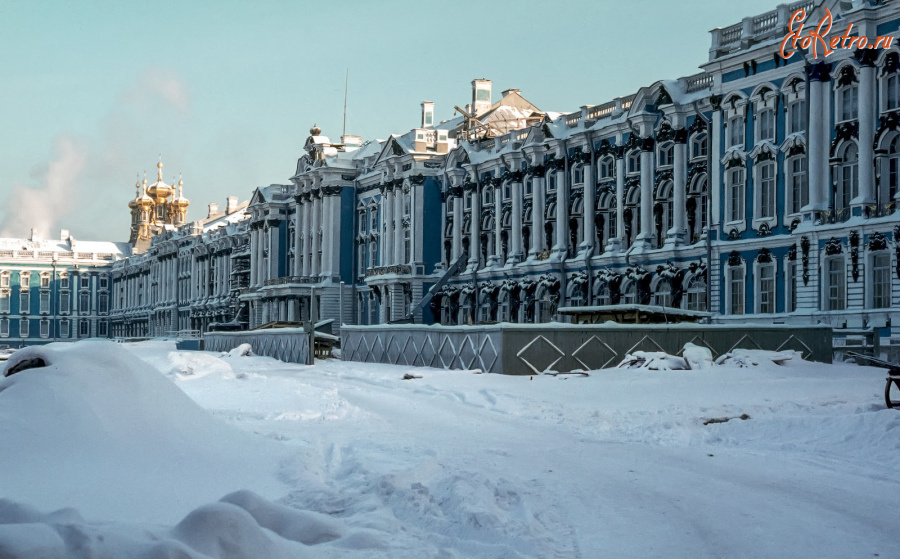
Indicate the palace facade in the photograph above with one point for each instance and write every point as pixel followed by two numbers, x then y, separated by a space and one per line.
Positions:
pixel 761 189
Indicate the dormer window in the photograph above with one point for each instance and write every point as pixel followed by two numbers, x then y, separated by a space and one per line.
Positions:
pixel 665 157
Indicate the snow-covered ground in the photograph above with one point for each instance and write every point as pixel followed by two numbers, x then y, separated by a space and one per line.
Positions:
pixel 151 453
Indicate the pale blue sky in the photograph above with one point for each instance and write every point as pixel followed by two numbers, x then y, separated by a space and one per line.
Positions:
pixel 92 91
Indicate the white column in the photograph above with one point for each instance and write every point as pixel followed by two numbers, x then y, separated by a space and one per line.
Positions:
pixel 298 234
pixel 498 225
pixel 475 233
pixel 387 235
pixel 307 242
pixel 818 181
pixel 620 202
pixel 678 231
pixel 560 249
pixel 457 227
pixel 714 185
pixel 515 248
pixel 537 216
pixel 254 240
pixel 589 208
pixel 646 233
pixel 316 225
pixel 399 255
pixel 867 115
pixel 328 234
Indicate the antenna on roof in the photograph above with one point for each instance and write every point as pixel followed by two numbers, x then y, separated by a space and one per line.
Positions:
pixel 346 79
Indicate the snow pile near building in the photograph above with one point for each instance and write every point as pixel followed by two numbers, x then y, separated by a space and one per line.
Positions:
pixel 349 460
pixel 698 358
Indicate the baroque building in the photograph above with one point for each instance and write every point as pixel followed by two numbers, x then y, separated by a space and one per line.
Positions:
pixel 154 209
pixel 761 189
pixel 55 290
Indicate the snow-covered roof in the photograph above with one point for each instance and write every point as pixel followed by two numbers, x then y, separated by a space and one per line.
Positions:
pixel 68 245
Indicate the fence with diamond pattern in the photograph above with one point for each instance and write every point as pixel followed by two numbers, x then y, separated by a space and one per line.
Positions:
pixel 285 344
pixel 533 348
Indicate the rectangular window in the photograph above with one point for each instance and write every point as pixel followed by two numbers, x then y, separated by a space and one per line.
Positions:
pixel 45 281
pixel 84 329
pixel 45 328
pixel 736 132
pixel 892 95
pixel 835 293
pixel 64 282
pixel 849 103
pixel 23 328
pixel 736 283
pixel 4 327
pixel 4 300
pixel 102 328
pixel 736 195
pixel 362 222
pixel 790 298
pixel 45 302
pixel 4 280
pixel 799 187
pixel 881 281
pixel 25 302
pixel 85 281
pixel 767 125
pixel 551 182
pixel 767 289
pixel 64 302
pixel 797 116
pixel 767 190
pixel 103 303
pixel 84 303
pixel 64 329
pixel 104 281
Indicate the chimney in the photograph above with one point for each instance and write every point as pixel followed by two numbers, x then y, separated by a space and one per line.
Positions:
pixel 213 209
pixel 231 204
pixel 427 114
pixel 481 96
pixel 34 235
pixel 63 234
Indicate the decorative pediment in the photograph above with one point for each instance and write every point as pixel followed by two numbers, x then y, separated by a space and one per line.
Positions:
pixel 763 151
pixel 734 158
pixel 844 132
pixel 734 259
pixel 764 256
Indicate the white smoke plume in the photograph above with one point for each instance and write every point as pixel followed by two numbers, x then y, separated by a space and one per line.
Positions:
pixel 88 181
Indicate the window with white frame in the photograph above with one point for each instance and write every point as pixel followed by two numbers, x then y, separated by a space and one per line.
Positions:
pixel 64 302
pixel 104 280
pixel 507 190
pixel 699 146
pixel 373 251
pixel 606 168
pixel 24 280
pixel 64 281
pixel 633 162
pixel 4 300
pixel 64 328
pixel 84 303
pixel 797 184
pixel 696 294
pixel 736 194
pixel 84 328
pixel 881 280
pixel 662 296
pixel 103 303
pixel 892 91
pixel 23 328
pixel 736 132
pixel 4 327
pixel 45 280
pixel 407 244
pixel 835 284
pixel 85 281
pixel 790 283
pixel 102 328
pixel 889 188
pixel 373 218
pixel 551 181
pixel 578 175
pixel 529 187
pixel 45 328
pixel 797 116
pixel 4 279
pixel 25 301
pixel 362 221
pixel 665 155
pixel 848 103
pixel 848 177
pixel 765 125
pixel 45 302
pixel 736 290
pixel 765 185
pixel 765 289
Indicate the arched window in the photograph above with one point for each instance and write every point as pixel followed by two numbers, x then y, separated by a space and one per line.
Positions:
pixel 696 294
pixel 848 177
pixel 797 185
pixel 765 125
pixel 604 297
pixel 696 207
pixel 606 168
pixel 487 195
pixel 890 186
pixel 578 175
pixel 633 162
pixel 662 295
pixel 663 209
pixel 629 292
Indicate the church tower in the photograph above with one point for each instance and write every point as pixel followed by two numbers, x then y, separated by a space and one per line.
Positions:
pixel 154 209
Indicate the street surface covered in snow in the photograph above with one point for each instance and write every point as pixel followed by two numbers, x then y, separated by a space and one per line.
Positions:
pixel 143 451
